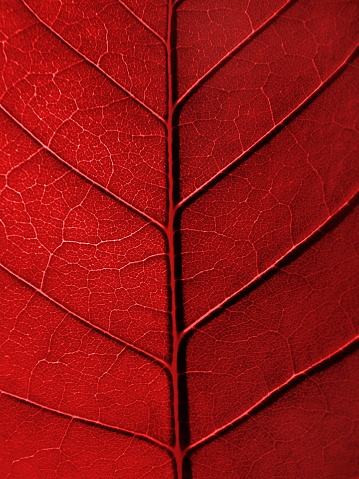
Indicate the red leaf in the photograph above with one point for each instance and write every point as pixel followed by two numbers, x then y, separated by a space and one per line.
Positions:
pixel 179 242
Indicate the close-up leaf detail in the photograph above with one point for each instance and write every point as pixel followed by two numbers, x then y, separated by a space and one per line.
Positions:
pixel 179 240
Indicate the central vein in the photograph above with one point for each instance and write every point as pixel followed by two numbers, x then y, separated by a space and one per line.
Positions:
pixel 178 453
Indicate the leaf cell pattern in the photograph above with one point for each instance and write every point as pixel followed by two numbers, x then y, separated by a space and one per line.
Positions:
pixel 179 261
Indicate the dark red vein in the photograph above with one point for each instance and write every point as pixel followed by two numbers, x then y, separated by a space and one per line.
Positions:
pixel 231 52
pixel 178 453
pixel 105 333
pixel 97 67
pixel 260 275
pixel 284 120
pixel 255 406
pixel 89 421
pixel 83 175
pixel 176 3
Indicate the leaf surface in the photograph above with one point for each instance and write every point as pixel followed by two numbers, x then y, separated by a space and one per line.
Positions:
pixel 179 244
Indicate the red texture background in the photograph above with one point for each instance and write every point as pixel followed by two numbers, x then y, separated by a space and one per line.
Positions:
pixel 179 262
